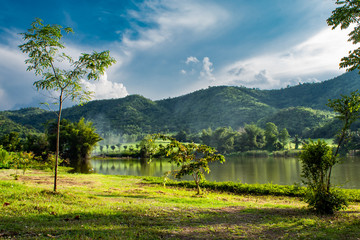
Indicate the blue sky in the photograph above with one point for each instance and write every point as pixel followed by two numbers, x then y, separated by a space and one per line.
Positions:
pixel 167 48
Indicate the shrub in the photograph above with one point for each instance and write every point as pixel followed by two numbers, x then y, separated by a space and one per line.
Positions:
pixel 317 161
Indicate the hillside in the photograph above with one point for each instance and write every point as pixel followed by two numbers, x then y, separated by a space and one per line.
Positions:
pixel 299 108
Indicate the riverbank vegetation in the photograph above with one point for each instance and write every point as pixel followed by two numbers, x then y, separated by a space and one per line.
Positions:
pixel 126 207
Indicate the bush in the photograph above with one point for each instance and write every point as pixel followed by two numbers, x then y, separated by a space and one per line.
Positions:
pixel 317 161
pixel 325 202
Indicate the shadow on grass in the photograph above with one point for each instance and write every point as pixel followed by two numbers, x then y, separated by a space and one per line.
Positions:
pixel 175 223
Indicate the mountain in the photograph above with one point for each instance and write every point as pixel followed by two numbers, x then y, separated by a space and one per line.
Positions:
pixel 299 108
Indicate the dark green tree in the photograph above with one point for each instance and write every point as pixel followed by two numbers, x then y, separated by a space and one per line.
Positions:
pixel 77 142
pixel 296 141
pixel 181 136
pixel 37 144
pixel 271 136
pixel 284 137
pixel 252 138
pixel 11 142
pixel 43 45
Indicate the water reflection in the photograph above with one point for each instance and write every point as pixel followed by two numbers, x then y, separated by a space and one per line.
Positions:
pixel 284 171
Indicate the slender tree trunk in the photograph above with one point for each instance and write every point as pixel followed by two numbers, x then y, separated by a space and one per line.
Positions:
pixel 57 143
pixel 346 126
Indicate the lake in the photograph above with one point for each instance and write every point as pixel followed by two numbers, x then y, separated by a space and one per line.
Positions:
pixel 283 171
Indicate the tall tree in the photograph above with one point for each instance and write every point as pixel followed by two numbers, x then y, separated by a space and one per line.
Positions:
pixel 43 45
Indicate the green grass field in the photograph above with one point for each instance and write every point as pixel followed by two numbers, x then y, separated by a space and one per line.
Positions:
pixel 124 207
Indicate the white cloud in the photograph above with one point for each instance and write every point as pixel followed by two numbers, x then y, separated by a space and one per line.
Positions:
pixel 207 70
pixel 172 19
pixel 191 59
pixel 105 89
pixel 318 55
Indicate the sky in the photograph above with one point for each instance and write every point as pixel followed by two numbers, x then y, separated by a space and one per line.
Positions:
pixel 167 48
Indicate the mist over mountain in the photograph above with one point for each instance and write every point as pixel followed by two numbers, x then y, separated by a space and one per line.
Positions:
pixel 300 109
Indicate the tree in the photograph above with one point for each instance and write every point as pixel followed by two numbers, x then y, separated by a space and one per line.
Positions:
pixel 318 159
pixel 348 108
pixel 113 147
pixel 296 141
pixel 271 136
pixel 284 137
pixel 43 45
pixel 181 136
pixel 77 142
pixel 147 147
pixel 193 159
pixel 11 142
pixel 348 15
pixel 222 138
pixel 253 138
pixel 101 149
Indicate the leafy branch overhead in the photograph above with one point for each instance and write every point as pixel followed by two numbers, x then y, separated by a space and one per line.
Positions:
pixel 193 159
pixel 345 16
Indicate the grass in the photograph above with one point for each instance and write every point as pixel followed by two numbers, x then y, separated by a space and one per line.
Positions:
pixel 125 207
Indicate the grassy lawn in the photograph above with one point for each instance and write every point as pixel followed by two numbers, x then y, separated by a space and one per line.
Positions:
pixel 120 207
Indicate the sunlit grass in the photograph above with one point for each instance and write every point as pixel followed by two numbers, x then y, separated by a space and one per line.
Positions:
pixel 125 207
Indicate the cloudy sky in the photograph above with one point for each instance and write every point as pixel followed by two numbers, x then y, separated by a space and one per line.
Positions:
pixel 166 48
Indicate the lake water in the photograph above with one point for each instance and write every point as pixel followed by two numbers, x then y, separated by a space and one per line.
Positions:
pixel 283 171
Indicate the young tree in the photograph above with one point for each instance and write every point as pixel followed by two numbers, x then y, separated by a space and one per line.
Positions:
pixel 43 45
pixel 193 159
pixel 318 159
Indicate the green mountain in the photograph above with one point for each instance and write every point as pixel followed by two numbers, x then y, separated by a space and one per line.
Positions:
pixel 301 109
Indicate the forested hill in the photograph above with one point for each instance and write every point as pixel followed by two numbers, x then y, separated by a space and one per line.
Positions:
pixel 298 108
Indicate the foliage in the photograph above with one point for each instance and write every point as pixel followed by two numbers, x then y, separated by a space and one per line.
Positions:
pixel 252 138
pixel 347 15
pixel 5 158
pixel 11 142
pixel 295 108
pixel 43 43
pixel 148 147
pixel 77 142
pixel 317 161
pixel 272 137
pixel 22 160
pixel 284 137
pixel 193 159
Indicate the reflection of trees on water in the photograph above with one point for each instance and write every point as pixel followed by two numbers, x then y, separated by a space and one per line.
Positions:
pixel 245 170
pixel 131 167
